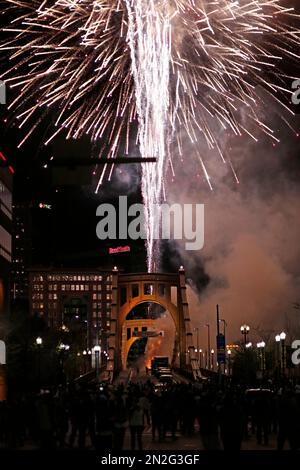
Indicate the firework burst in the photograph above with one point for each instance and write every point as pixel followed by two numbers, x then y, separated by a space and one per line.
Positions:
pixel 109 67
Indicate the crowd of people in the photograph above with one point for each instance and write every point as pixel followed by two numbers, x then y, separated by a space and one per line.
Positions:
pixel 99 417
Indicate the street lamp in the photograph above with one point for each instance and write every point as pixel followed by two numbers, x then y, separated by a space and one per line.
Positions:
pixel 197 349
pixel 261 349
pixel 212 352
pixel 200 358
pixel 245 331
pixel 97 350
pixel 39 342
pixel 229 361
pixel 282 339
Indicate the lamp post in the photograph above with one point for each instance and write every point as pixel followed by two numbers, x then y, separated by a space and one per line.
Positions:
pixel 261 349
pixel 63 348
pixel 97 351
pixel 283 361
pixel 39 342
pixel 200 358
pixel 229 361
pixel 245 331
pixel 197 350
pixel 208 344
pixel 278 359
pixel 212 353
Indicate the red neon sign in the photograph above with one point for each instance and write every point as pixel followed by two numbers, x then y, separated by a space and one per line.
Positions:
pixel 119 249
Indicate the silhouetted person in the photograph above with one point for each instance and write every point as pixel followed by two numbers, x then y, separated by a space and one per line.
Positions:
pixel 136 423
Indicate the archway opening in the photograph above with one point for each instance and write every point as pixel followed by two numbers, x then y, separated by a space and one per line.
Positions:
pixel 159 339
pixel 136 354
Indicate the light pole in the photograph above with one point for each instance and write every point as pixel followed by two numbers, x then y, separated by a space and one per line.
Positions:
pixel 197 350
pixel 212 353
pixel 39 342
pixel 278 359
pixel 200 358
pixel 63 348
pixel 229 361
pixel 97 351
pixel 261 350
pixel 282 338
pixel 245 331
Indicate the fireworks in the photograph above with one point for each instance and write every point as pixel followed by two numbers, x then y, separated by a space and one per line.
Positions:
pixel 109 67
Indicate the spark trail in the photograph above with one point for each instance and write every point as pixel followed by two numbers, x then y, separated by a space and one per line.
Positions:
pixel 171 66
pixel 149 39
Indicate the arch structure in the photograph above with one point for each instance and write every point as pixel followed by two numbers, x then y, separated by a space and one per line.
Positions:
pixel 167 290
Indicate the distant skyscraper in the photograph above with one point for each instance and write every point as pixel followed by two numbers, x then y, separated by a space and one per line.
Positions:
pixel 5 232
pixel 75 299
pixel 21 249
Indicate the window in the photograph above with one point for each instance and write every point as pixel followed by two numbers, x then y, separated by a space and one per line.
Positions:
pixel 72 287
pixel 81 287
pixel 148 289
pixel 5 200
pixel 99 287
pixel 135 290
pixel 94 296
pixel 161 290
pixel 123 295
pixel 86 287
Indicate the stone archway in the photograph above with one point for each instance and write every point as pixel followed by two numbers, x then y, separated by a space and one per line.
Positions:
pixel 167 290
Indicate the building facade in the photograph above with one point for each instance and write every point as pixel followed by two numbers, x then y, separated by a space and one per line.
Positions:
pixel 21 249
pixel 77 300
pixel 5 233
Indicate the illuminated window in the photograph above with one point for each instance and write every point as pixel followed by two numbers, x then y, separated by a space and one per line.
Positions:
pixel 99 287
pixel 94 305
pixel 77 287
pixel 72 287
pixel 55 287
pixel 50 287
pixel 81 287
pixel 108 296
pixel 55 296
pixel 94 287
pixel 63 287
pixel 94 296
pixel 86 287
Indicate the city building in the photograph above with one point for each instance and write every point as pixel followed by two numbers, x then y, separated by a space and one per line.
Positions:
pixel 73 299
pixel 6 177
pixel 21 250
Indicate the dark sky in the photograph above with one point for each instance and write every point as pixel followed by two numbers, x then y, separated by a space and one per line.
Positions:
pixel 66 234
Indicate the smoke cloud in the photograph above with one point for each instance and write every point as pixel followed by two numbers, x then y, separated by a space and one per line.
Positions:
pixel 252 231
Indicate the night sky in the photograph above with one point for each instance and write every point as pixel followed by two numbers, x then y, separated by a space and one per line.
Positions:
pixel 252 229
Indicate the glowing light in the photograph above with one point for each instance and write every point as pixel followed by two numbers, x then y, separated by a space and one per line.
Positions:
pixel 150 69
